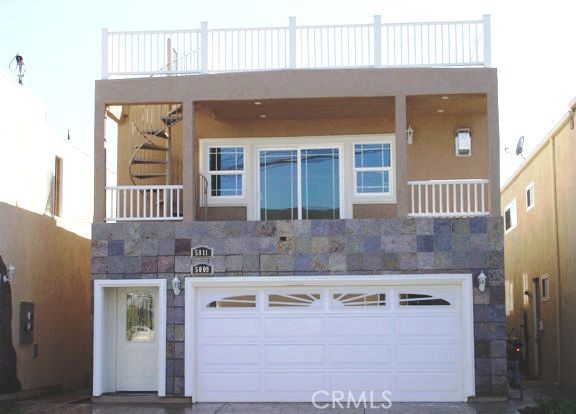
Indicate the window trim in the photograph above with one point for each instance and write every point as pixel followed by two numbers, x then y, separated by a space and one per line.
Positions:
pixel 530 187
pixel 390 169
pixel 348 198
pixel 545 278
pixel 513 220
pixel 58 187
pixel 208 173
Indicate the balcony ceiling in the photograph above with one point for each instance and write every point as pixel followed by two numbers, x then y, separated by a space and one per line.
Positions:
pixel 465 104
pixel 343 107
pixel 302 108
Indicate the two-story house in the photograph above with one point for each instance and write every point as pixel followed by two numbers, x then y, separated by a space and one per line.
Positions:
pixel 538 204
pixel 45 226
pixel 343 181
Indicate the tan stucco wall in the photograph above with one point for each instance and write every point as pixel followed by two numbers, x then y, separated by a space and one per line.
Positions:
pixel 52 271
pixel 530 249
pixel 51 254
pixel 432 155
pixel 565 148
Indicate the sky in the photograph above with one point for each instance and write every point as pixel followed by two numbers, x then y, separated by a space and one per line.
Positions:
pixel 533 48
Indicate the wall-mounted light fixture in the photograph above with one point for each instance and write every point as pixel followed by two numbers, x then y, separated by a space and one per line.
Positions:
pixel 176 285
pixel 463 142
pixel 409 134
pixel 482 281
pixel 9 276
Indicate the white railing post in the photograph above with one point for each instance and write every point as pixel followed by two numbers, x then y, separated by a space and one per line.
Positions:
pixel 104 53
pixel 204 47
pixel 487 42
pixel 292 42
pixel 377 41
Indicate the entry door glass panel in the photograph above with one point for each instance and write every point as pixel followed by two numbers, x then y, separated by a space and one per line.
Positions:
pixel 139 317
pixel 279 184
pixel 320 183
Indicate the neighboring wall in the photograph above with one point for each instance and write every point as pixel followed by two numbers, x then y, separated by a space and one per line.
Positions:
pixel 565 148
pixel 50 253
pixel 52 271
pixel 539 246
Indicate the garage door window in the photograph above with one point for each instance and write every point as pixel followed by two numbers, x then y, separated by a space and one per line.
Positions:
pixel 244 301
pixel 359 299
pixel 416 299
pixel 290 300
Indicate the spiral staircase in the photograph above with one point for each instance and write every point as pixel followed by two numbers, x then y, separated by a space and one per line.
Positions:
pixel 151 139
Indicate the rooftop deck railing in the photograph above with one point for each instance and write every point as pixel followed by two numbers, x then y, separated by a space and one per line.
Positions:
pixel 377 44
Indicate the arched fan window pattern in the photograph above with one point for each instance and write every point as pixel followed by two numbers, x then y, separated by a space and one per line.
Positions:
pixel 360 299
pixel 418 299
pixel 244 301
pixel 277 300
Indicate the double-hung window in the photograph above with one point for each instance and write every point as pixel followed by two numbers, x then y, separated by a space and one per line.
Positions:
pixel 373 168
pixel 226 171
pixel 510 216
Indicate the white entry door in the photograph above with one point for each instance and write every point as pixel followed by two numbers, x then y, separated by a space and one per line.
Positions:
pixel 285 344
pixel 137 339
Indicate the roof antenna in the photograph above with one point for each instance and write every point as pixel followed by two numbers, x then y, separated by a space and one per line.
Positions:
pixel 20 65
pixel 68 135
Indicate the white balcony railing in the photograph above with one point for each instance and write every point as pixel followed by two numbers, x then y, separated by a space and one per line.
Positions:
pixel 144 203
pixel 204 50
pixel 449 198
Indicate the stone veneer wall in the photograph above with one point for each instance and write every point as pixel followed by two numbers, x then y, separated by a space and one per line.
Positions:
pixel 319 247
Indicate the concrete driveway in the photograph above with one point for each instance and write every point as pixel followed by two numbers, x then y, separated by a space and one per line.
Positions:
pixel 43 406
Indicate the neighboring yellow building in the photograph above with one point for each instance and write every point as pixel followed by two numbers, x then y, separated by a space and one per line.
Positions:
pixel 45 215
pixel 538 205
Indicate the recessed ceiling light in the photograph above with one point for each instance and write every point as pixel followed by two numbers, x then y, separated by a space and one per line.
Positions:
pixel 440 111
pixel 257 103
pixel 445 97
pixel 263 116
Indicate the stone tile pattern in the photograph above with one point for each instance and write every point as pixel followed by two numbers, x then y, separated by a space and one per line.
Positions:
pixel 319 247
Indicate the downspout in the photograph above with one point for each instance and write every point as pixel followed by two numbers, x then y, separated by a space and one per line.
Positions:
pixel 558 275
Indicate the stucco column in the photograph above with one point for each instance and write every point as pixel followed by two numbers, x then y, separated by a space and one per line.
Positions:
pixel 493 150
pixel 99 162
pixel 401 155
pixel 188 162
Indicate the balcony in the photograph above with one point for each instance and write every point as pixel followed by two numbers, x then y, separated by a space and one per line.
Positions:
pixel 205 50
pixel 433 198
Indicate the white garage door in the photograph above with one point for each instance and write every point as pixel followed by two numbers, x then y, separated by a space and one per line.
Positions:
pixel 284 344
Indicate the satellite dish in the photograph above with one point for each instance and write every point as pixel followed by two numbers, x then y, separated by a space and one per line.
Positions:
pixel 520 146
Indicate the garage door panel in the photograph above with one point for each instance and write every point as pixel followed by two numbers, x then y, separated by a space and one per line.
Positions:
pixel 227 381
pixel 427 381
pixel 362 381
pixel 428 354
pixel 294 354
pixel 301 381
pixel 293 326
pixel 427 325
pixel 360 354
pixel 223 327
pixel 379 325
pixel 214 354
